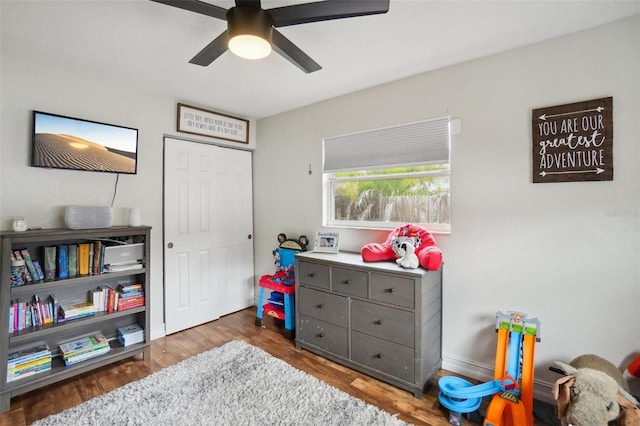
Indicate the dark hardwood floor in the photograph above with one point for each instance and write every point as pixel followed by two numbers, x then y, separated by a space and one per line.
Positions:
pixel 169 350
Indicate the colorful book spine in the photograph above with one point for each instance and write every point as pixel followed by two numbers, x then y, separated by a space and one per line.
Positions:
pixel 39 270
pixel 17 272
pixel 11 308
pixel 50 255
pixel 97 258
pixel 92 248
pixel 73 260
pixel 27 274
pixel 63 261
pixel 29 262
pixel 55 307
pixel 83 258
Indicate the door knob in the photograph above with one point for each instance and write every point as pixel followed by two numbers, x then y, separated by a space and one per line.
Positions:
pixel 170 245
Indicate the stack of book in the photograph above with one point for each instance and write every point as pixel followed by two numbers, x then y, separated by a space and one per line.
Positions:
pixel 130 334
pixel 73 309
pixel 34 313
pixel 105 299
pixel 130 296
pixel 28 361
pixel 84 348
pixel 30 270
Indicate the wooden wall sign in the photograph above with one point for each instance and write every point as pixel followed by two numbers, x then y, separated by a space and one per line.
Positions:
pixel 198 121
pixel 573 142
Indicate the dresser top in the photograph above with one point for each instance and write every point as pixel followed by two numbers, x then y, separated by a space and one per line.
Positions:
pixel 353 259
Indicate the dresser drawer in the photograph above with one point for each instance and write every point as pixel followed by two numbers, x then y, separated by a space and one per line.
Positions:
pixel 383 322
pixel 313 274
pixel 323 306
pixel 394 290
pixel 350 281
pixel 324 335
pixel 386 357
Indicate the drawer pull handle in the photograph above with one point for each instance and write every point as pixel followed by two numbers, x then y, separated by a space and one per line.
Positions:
pixel 347 282
pixel 389 290
pixel 320 306
pixel 378 356
pixel 311 274
pixel 320 334
pixel 378 322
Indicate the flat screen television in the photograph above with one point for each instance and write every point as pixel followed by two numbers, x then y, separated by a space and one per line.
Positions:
pixel 61 142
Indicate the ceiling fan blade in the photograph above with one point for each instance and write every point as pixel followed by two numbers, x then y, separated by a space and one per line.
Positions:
pixel 292 53
pixel 197 6
pixel 214 49
pixel 325 10
pixel 249 3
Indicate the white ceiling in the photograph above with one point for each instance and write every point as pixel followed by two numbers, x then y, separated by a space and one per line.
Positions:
pixel 148 45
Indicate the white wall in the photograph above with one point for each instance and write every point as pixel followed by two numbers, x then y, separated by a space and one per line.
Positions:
pixel 566 253
pixel 41 195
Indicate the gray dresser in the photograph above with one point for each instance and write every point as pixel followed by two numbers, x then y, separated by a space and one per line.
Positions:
pixel 374 317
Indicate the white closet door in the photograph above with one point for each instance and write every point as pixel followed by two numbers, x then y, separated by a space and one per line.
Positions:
pixel 208 229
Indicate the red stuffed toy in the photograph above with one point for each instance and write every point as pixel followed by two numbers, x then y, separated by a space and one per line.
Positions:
pixel 426 248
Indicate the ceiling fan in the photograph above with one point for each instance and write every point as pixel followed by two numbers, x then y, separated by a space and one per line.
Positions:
pixel 250 28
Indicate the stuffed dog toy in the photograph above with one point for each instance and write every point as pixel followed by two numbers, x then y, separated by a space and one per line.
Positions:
pixel 407 252
pixel 593 393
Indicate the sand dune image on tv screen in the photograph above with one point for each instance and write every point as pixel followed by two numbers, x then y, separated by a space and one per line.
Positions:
pixel 70 152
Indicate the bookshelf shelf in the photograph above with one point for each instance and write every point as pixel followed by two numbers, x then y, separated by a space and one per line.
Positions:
pixel 42 332
pixel 68 289
pixel 42 286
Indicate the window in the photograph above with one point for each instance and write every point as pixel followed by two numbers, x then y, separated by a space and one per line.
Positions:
pixel 384 178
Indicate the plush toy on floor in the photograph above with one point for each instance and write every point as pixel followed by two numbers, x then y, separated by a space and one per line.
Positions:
pixel 593 392
pixel 425 248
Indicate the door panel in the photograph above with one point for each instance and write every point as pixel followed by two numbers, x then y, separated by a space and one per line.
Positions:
pixel 207 225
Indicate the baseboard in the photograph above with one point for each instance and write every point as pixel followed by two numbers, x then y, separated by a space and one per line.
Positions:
pixel 484 373
pixel 158 332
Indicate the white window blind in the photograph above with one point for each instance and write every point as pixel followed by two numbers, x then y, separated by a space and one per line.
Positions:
pixel 422 142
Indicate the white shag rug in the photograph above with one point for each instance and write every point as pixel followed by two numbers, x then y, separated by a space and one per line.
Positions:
pixel 235 384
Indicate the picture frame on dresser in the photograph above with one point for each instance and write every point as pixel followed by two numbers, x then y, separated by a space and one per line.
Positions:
pixel 327 242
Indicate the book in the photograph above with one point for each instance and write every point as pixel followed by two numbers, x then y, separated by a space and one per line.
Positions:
pixel 17 272
pixel 130 334
pixel 11 317
pixel 50 266
pixel 83 258
pixel 86 356
pixel 27 274
pixel 26 361
pixel 28 353
pixel 63 261
pixel 84 348
pixel 96 296
pixel 27 365
pixel 97 258
pixel 29 262
pixel 45 365
pixel 39 270
pixel 55 306
pixel 73 260
pixel 92 248
pixel 130 288
pixel 83 344
pixel 72 309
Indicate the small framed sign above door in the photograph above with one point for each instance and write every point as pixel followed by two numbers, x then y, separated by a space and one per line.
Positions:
pixel 198 121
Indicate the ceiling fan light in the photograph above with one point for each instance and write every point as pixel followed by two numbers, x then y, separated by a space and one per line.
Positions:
pixel 249 46
pixel 250 32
